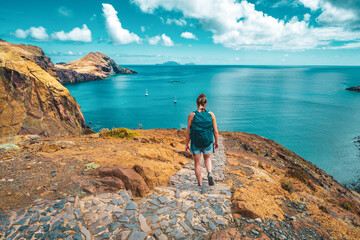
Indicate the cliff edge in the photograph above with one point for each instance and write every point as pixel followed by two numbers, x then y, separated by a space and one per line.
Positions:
pixel 93 66
pixel 32 99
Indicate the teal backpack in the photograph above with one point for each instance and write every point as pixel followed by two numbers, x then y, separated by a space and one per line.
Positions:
pixel 201 129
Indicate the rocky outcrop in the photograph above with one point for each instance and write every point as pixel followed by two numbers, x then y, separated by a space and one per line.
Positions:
pixel 32 100
pixel 93 66
pixel 355 89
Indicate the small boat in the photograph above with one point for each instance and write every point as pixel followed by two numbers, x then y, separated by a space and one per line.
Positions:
pixel 175 101
pixel 146 93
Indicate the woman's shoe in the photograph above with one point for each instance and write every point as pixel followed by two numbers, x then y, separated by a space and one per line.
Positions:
pixel 210 179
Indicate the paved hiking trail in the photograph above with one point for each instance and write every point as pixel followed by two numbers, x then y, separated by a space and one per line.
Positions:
pixel 181 210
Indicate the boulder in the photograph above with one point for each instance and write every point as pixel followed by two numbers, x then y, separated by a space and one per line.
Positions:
pixel 132 180
pixel 226 234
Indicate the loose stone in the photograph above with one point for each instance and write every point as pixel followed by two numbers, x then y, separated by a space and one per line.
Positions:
pixel 173 221
pixel 199 228
pixel 117 201
pixel 153 218
pixel 137 235
pixel 212 226
pixel 113 226
pixel 186 227
pixel 131 206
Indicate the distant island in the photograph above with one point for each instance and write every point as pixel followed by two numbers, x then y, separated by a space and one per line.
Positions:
pixel 93 66
pixel 355 89
pixel 173 63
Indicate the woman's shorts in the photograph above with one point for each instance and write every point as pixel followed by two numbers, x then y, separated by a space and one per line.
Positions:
pixel 195 150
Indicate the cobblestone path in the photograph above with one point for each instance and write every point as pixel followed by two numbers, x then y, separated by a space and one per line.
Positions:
pixel 181 210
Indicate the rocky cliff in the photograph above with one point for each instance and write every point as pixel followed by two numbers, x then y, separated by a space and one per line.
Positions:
pixel 32 99
pixel 355 89
pixel 93 66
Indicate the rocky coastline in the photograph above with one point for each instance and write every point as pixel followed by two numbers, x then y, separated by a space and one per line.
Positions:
pixel 33 100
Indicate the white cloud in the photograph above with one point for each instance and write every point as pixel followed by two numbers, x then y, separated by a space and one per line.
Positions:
pixel 347 46
pixel 312 4
pixel 179 22
pixel 330 14
pixel 117 33
pixel 239 25
pixel 36 33
pixel 64 11
pixel 77 34
pixel 167 40
pixel 154 40
pixel 307 17
pixel 188 35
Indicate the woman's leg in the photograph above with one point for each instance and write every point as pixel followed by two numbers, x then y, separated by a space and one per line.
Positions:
pixel 197 159
pixel 207 162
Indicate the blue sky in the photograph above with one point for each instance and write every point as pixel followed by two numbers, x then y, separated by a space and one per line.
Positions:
pixel 253 32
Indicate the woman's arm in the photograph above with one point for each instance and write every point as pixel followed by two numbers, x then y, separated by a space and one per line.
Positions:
pixel 190 119
pixel 216 133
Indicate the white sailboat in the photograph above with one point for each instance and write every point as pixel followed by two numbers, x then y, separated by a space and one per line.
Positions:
pixel 175 101
pixel 146 93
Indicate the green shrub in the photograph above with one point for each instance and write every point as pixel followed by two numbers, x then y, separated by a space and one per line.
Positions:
pixel 324 209
pixel 347 205
pixel 287 185
pixel 298 175
pixel 119 133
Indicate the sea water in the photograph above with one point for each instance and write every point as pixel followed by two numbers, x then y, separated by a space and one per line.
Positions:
pixel 306 109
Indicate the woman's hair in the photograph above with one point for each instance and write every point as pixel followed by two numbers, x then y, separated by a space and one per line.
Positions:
pixel 201 100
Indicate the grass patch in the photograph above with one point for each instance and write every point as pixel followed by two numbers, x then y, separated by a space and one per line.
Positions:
pixel 302 177
pixel 324 209
pixel 287 185
pixel 298 175
pixel 347 205
pixel 91 166
pixel 260 165
pixel 119 133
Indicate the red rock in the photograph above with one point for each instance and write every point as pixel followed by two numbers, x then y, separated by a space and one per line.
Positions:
pixel 132 180
pixel 241 209
pixel 226 234
pixel 148 175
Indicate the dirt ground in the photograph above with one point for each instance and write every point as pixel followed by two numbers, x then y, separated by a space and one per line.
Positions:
pixel 43 169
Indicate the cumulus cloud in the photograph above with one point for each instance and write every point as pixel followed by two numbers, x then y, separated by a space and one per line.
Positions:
pixel 117 33
pixel 165 40
pixel 239 25
pixel 331 14
pixel 179 22
pixel 39 33
pixel 64 11
pixel 35 33
pixel 188 35
pixel 77 34
pixel 154 40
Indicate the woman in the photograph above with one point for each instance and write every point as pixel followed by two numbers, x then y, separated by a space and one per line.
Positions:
pixel 201 128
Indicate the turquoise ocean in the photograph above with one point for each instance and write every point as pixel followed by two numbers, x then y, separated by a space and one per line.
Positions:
pixel 306 109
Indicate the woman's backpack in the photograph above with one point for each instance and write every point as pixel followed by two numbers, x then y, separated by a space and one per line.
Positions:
pixel 201 129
